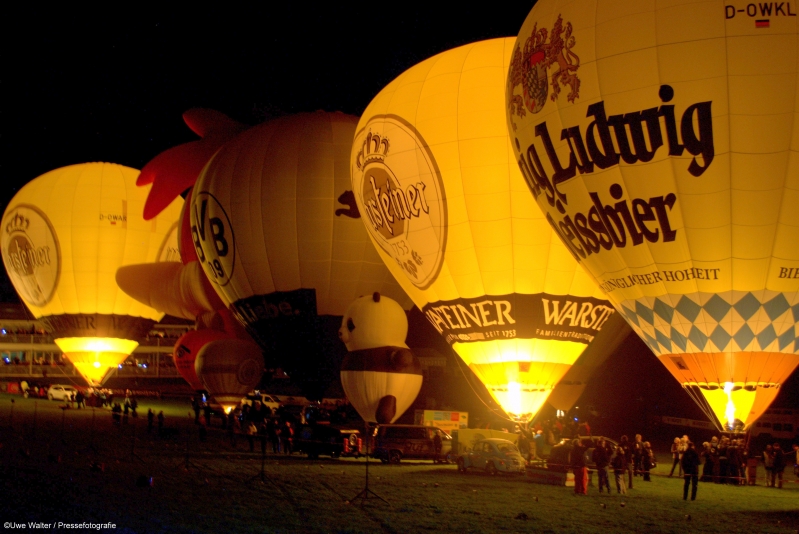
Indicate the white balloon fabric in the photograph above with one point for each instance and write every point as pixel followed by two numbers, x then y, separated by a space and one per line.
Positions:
pixel 380 375
pixel 229 369
pixel 276 227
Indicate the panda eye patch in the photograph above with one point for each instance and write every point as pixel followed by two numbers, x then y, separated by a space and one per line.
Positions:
pixel 350 325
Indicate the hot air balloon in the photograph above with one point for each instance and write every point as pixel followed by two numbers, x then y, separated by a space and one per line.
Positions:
pixel 445 205
pixel 380 375
pixel 659 139
pixel 64 235
pixel 187 348
pixel 229 369
pixel 276 230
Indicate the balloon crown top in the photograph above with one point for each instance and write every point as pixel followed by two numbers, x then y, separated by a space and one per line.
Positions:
pixel 18 223
pixel 375 148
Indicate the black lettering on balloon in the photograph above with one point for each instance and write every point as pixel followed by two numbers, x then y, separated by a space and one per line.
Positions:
pixel 702 145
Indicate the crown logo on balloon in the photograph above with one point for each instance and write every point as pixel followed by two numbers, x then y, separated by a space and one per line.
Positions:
pixel 18 223
pixel 375 149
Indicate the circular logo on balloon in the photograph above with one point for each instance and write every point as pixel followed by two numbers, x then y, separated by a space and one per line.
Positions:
pixel 250 372
pixel 401 196
pixel 31 254
pixel 213 238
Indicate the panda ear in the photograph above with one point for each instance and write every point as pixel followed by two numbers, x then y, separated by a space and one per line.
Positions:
pixel 350 325
pixel 376 296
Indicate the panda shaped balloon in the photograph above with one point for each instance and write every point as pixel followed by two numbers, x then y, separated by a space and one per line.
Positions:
pixel 380 375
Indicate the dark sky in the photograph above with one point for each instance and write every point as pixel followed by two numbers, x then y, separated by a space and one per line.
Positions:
pixel 81 86
pixel 77 89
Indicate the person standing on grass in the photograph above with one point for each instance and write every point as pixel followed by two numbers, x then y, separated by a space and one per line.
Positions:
pixel 252 430
pixel 638 455
pixel 150 417
pixel 648 460
pixel 600 458
pixel 707 469
pixel 768 464
pixel 579 468
pixel 713 457
pixel 779 466
pixel 690 468
pixel 619 463
pixel 724 461
pixel 675 455
pixel 628 456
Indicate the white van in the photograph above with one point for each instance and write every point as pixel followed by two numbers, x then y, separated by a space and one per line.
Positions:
pixel 255 396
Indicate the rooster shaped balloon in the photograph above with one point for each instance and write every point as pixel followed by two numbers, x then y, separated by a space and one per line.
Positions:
pixel 180 288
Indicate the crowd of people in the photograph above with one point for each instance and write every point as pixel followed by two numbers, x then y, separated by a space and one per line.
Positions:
pixel 257 422
pixel 721 460
pixel 628 459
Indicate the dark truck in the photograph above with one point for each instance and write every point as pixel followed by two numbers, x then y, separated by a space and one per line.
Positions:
pixel 324 440
pixel 392 443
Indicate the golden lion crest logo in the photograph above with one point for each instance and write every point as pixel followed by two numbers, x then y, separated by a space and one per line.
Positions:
pixel 529 68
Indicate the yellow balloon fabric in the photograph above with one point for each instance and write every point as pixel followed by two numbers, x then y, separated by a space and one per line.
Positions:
pixel 64 235
pixel 449 212
pixel 660 138
pixel 275 227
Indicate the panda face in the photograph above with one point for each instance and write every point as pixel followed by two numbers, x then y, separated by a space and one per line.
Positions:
pixel 372 321
pixel 348 325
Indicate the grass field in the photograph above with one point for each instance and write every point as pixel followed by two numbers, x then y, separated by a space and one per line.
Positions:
pixel 48 476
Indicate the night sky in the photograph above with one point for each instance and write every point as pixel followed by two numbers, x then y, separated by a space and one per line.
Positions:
pixel 79 87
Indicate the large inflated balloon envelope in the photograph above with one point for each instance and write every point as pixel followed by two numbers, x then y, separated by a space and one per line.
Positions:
pixel 450 214
pixel 659 141
pixel 229 369
pixel 380 375
pixel 64 236
pixel 278 233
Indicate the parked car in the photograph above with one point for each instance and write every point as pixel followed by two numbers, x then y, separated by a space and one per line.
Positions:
pixel 269 400
pixel 33 389
pixel 61 392
pixel 560 455
pixel 493 455
pixel 392 443
pixel 324 440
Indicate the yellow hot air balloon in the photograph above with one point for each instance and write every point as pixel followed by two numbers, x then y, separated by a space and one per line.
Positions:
pixel 64 235
pixel 448 210
pixel 660 140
